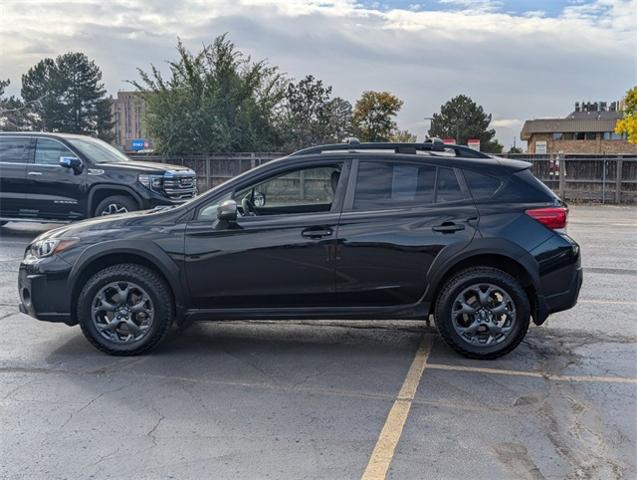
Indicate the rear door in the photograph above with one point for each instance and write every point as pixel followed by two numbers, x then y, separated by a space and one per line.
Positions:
pixel 54 191
pixel 397 217
pixel 15 153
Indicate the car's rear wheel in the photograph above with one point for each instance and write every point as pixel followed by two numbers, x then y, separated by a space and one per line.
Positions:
pixel 482 313
pixel 125 309
pixel 114 205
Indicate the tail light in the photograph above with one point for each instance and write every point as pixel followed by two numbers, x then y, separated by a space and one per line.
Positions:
pixel 552 217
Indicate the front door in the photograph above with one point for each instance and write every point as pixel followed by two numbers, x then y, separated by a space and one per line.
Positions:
pixel 54 191
pixel 279 253
pixel 399 216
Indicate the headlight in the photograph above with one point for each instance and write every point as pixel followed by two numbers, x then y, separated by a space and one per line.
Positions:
pixel 152 182
pixel 51 246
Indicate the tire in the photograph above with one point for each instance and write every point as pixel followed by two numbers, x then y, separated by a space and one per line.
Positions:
pixel 141 281
pixel 488 314
pixel 115 204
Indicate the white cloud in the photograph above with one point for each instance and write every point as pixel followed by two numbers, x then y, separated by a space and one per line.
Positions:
pixel 516 66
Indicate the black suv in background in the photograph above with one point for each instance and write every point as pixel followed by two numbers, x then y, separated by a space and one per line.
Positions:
pixel 365 231
pixel 55 176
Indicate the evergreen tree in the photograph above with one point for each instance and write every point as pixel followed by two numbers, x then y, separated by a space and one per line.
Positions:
pixel 462 118
pixel 14 114
pixel 66 95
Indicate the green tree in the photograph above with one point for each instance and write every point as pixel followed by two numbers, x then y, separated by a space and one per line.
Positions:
pixel 628 123
pixel 374 114
pixel 216 100
pixel 310 116
pixel 462 118
pixel 66 94
pixel 515 150
pixel 14 114
pixel 403 136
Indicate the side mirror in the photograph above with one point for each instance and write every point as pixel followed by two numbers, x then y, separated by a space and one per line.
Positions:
pixel 71 162
pixel 227 211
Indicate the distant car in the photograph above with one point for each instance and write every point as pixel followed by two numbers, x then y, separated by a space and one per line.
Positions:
pixel 54 176
pixel 358 231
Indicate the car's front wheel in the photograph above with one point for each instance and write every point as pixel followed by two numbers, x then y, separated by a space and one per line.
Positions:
pixel 114 205
pixel 125 309
pixel 482 313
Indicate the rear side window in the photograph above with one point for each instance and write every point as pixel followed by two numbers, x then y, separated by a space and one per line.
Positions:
pixel 48 152
pixel 14 150
pixel 393 184
pixel 387 184
pixel 481 186
pixel 522 186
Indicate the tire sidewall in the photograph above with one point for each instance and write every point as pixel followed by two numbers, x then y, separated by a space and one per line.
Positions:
pixel 162 310
pixel 126 202
pixel 453 288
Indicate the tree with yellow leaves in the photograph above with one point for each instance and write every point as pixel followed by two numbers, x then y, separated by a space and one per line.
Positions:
pixel 628 124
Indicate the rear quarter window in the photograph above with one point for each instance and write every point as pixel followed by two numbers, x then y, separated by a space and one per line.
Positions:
pixel 523 187
pixel 481 185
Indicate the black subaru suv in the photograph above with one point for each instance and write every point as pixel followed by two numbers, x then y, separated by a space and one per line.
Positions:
pixel 53 177
pixel 349 231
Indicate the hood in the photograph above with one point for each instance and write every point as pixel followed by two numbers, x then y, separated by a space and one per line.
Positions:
pixel 152 167
pixel 100 225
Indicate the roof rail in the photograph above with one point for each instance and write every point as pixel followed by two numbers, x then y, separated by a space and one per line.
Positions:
pixel 429 145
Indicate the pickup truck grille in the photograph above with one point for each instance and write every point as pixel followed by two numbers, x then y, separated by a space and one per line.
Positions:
pixel 180 185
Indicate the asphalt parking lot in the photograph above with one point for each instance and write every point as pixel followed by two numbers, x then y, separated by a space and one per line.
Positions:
pixel 332 399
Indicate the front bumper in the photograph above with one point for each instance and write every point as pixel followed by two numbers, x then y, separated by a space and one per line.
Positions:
pixel 42 285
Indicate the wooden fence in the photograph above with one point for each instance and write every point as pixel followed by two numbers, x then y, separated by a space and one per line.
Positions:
pixel 600 179
pixel 603 179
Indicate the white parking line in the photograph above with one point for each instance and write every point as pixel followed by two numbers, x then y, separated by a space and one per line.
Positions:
pixel 608 302
pixel 393 428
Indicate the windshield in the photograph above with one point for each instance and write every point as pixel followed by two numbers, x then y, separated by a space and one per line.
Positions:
pixel 97 150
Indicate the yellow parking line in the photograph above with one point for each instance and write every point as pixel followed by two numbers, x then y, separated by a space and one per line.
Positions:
pixel 393 428
pixel 522 373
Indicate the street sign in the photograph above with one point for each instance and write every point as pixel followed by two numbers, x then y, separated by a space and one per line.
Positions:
pixel 138 144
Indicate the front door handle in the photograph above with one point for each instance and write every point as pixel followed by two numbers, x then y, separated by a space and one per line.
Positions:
pixel 314 232
pixel 448 227
pixel 34 173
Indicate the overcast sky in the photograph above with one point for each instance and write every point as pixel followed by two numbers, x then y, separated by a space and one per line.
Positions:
pixel 520 59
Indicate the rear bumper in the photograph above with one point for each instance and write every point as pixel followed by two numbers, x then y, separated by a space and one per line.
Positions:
pixel 561 278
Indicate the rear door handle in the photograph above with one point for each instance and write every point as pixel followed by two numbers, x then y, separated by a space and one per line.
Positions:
pixel 34 173
pixel 314 232
pixel 448 227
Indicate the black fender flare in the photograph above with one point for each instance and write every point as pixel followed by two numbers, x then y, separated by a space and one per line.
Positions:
pixel 450 257
pixel 113 187
pixel 141 248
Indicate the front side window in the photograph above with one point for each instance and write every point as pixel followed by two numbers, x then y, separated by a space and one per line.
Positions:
pixel 14 150
pixel 307 190
pixel 48 152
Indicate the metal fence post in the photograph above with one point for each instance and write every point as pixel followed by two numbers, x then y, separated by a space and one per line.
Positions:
pixel 604 181
pixel 618 180
pixel 562 180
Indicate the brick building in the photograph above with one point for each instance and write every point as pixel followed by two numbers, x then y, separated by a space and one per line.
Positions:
pixel 590 129
pixel 128 110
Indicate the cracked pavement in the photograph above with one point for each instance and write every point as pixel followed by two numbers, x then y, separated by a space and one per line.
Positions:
pixel 309 399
